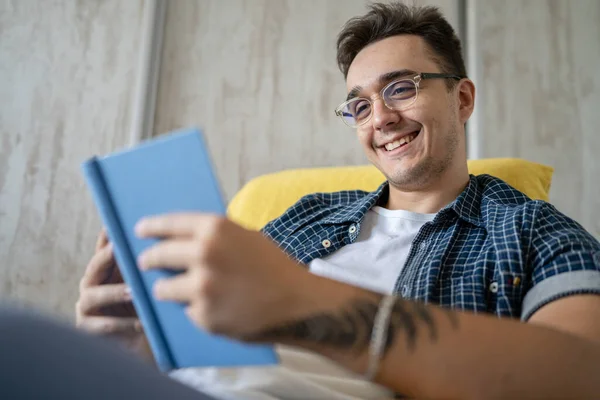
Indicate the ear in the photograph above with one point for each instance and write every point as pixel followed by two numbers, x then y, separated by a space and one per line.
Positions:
pixel 466 99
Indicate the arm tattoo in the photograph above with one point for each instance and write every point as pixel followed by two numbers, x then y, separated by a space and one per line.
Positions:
pixel 350 328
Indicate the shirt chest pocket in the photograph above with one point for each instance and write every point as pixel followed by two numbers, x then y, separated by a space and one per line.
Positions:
pixel 506 293
pixel 502 295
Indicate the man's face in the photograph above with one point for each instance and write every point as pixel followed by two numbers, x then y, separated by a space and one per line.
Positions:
pixel 432 121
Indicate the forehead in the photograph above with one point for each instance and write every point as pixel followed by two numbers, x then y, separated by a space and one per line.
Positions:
pixel 390 54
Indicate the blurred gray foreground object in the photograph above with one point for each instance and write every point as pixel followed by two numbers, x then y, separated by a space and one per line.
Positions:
pixel 44 359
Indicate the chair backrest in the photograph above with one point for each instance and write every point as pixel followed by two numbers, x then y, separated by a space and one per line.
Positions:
pixel 266 197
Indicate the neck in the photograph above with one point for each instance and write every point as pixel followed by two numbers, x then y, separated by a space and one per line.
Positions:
pixel 432 197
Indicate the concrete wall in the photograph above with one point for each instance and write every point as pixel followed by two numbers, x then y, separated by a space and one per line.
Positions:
pixel 66 69
pixel 536 68
pixel 260 77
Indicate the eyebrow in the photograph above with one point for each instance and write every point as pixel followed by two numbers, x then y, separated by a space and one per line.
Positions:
pixel 383 79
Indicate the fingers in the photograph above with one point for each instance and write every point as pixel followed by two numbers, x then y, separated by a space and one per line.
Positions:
pixel 177 224
pixel 94 298
pixel 102 240
pixel 111 325
pixel 99 267
pixel 172 254
pixel 181 288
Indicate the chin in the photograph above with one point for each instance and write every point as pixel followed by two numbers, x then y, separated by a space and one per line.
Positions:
pixel 415 174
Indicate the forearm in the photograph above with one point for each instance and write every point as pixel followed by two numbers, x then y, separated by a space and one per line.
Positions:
pixel 436 353
pixel 477 357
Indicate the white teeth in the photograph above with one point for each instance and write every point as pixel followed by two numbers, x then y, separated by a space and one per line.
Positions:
pixel 406 139
pixel 393 145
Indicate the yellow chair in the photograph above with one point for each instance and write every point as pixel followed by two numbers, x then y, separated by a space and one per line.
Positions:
pixel 268 196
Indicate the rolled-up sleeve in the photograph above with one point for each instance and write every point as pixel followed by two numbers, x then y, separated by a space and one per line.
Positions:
pixel 564 257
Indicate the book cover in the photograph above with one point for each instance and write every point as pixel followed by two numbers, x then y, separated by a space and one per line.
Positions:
pixel 170 173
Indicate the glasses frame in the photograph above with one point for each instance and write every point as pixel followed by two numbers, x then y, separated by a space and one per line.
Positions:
pixel 415 79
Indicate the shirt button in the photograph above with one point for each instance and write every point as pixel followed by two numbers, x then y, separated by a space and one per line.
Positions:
pixel 494 287
pixel 326 243
pixel 423 245
pixel 352 229
pixel 405 290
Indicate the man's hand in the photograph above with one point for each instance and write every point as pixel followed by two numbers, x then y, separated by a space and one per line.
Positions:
pixel 237 283
pixel 234 281
pixel 104 305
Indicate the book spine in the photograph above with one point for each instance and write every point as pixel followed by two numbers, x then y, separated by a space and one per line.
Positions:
pixel 128 265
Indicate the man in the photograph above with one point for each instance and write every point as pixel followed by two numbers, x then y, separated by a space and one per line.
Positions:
pixel 457 251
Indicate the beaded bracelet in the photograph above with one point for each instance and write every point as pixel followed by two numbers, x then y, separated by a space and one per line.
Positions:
pixel 379 335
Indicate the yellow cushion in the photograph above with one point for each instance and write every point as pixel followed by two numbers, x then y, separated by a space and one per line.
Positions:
pixel 268 196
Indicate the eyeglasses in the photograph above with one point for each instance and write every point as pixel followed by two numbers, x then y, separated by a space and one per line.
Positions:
pixel 397 95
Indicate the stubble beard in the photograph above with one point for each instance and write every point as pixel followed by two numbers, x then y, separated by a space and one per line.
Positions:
pixel 427 169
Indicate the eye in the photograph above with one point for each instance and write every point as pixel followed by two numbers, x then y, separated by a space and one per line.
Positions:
pixel 360 109
pixel 401 90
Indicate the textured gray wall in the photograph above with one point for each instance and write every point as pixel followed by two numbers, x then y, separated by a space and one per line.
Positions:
pixel 539 84
pixel 260 77
pixel 66 69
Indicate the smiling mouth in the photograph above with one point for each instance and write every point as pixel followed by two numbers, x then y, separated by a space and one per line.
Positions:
pixel 403 141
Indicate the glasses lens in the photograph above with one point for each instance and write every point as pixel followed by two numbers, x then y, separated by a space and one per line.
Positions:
pixel 400 93
pixel 356 111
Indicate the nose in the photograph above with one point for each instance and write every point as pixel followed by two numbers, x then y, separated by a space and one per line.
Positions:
pixel 382 116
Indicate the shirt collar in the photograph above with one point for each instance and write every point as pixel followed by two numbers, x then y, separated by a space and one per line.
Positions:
pixel 356 211
pixel 466 205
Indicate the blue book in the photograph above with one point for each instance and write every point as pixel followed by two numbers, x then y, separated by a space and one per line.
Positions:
pixel 171 173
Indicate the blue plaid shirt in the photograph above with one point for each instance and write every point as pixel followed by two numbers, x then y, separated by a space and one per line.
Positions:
pixel 491 250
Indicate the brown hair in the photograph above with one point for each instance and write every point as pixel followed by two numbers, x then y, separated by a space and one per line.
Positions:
pixel 385 20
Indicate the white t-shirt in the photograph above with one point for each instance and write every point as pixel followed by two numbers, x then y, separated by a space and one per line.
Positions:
pixel 375 259
pixel 374 262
